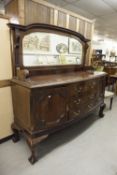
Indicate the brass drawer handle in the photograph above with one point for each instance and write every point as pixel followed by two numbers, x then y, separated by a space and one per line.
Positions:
pixel 77 113
pixel 90 106
pixel 77 101
pixel 49 96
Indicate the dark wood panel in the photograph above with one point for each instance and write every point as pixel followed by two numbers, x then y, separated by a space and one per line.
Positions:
pixel 36 13
pixel 72 23
pixel 53 114
pixel 61 19
pixel 5 83
pixel 21 97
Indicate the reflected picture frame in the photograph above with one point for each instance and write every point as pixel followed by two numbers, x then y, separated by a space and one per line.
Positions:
pixel 74 46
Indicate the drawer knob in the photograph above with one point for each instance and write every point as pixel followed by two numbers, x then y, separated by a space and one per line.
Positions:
pixel 49 96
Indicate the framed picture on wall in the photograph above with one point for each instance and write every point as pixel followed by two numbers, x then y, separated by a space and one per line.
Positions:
pixel 74 46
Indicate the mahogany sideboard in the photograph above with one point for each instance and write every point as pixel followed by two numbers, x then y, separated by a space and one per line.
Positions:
pixel 47 98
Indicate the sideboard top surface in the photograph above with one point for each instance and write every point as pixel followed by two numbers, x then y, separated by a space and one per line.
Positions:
pixel 57 79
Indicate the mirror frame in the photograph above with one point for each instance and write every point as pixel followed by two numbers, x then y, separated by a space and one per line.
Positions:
pixel 19 31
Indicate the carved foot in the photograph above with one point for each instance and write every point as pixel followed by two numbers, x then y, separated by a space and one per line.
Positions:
pixel 15 137
pixel 101 114
pixel 32 159
pixel 32 143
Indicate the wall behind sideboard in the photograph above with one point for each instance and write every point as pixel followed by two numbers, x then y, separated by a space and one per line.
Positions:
pixel 6 109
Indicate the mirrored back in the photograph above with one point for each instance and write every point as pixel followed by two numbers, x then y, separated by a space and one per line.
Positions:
pixel 45 48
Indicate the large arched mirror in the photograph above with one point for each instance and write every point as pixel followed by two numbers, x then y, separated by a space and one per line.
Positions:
pixel 42 48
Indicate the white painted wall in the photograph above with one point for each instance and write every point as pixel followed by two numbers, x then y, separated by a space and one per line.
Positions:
pixel 5 55
pixel 6 109
pixel 6 112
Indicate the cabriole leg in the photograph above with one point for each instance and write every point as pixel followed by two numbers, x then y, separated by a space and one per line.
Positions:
pixel 32 143
pixel 33 158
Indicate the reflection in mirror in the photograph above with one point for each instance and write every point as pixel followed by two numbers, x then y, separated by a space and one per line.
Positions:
pixel 41 48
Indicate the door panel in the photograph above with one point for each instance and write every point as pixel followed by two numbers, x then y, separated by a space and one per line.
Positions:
pixel 50 107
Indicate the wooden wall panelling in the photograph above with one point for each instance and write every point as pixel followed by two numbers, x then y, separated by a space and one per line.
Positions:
pixel 31 11
pixel 81 26
pixel 61 19
pixel 88 30
pixel 77 25
pixel 52 16
pixel 90 50
pixel 61 9
pixel 55 17
pixel 21 12
pixel 35 12
pixel 85 29
pixel 67 21
pixel 88 54
pixel 72 22
pixel 12 9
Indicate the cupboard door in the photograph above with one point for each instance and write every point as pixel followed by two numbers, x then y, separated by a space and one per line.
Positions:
pixel 49 108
